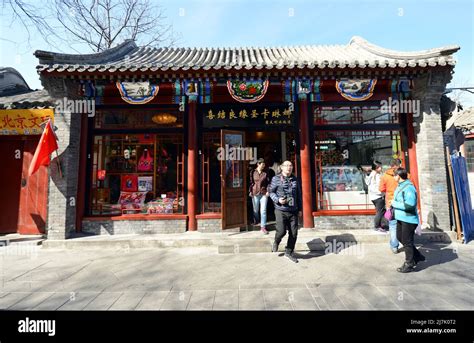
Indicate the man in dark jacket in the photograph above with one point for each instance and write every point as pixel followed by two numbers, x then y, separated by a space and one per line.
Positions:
pixel 286 194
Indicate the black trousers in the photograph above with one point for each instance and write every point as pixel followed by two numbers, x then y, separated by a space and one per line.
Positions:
pixel 380 208
pixel 406 235
pixel 286 221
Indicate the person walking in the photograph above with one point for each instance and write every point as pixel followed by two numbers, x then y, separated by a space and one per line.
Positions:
pixel 388 184
pixel 286 195
pixel 259 181
pixel 405 203
pixel 375 195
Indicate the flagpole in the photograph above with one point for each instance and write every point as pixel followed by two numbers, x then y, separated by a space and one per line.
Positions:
pixel 47 144
pixel 57 155
pixel 59 165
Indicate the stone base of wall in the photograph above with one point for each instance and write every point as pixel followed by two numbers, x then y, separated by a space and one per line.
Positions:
pixel 117 227
pixel 58 234
pixel 344 222
pixel 209 225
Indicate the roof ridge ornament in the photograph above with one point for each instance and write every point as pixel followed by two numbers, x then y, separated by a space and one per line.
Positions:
pixel 125 48
pixel 380 51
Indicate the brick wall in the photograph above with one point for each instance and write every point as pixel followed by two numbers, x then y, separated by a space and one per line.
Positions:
pixel 209 225
pixel 432 173
pixel 344 222
pixel 62 200
pixel 117 227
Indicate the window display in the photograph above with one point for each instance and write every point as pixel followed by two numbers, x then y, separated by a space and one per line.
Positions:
pixel 343 162
pixel 137 174
pixel 347 178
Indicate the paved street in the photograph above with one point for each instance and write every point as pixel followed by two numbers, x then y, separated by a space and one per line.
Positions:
pixel 361 277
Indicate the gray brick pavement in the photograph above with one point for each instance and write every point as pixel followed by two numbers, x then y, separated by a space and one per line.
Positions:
pixel 202 279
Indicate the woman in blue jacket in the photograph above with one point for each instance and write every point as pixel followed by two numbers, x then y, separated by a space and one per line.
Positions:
pixel 405 203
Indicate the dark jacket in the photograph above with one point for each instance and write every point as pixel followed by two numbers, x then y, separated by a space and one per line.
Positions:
pixel 285 186
pixel 258 182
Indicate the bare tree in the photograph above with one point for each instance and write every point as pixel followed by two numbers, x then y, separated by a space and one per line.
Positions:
pixel 29 16
pixel 459 92
pixel 98 24
pixel 102 24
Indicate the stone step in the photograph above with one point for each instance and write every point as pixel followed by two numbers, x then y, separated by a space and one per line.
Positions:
pixel 17 239
pixel 248 242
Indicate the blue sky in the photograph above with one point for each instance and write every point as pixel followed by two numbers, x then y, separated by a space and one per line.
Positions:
pixel 397 25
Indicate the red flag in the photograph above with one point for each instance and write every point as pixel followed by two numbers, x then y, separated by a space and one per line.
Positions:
pixel 47 144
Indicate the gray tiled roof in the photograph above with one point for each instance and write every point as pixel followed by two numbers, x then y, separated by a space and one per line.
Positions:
pixel 462 119
pixel 11 82
pixel 33 99
pixel 358 53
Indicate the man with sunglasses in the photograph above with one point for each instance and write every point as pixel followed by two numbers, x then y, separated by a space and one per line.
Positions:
pixel 286 194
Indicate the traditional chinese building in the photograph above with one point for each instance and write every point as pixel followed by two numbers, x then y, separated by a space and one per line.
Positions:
pixel 167 145
pixel 463 120
pixel 23 204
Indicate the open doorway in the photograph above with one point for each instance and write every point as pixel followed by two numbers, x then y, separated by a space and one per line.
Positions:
pixel 274 147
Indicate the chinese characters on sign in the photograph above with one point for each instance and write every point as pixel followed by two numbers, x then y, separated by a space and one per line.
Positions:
pixel 23 122
pixel 245 117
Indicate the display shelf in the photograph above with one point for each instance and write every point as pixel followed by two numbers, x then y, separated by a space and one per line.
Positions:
pixel 114 164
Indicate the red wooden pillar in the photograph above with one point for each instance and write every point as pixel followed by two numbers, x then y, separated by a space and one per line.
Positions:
pixel 192 182
pixel 305 158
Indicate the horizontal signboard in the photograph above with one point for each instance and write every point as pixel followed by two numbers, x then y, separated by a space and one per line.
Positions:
pixel 23 121
pixel 247 116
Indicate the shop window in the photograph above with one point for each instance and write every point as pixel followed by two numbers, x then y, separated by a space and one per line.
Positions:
pixel 138 119
pixel 137 174
pixel 345 115
pixel 343 161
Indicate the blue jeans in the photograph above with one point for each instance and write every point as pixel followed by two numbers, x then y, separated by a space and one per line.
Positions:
pixel 392 227
pixel 259 203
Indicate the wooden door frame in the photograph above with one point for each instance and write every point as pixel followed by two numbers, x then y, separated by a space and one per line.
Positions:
pixel 223 180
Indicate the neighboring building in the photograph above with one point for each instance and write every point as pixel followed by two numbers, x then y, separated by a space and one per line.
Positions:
pixel 147 160
pixel 464 120
pixel 12 83
pixel 23 204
